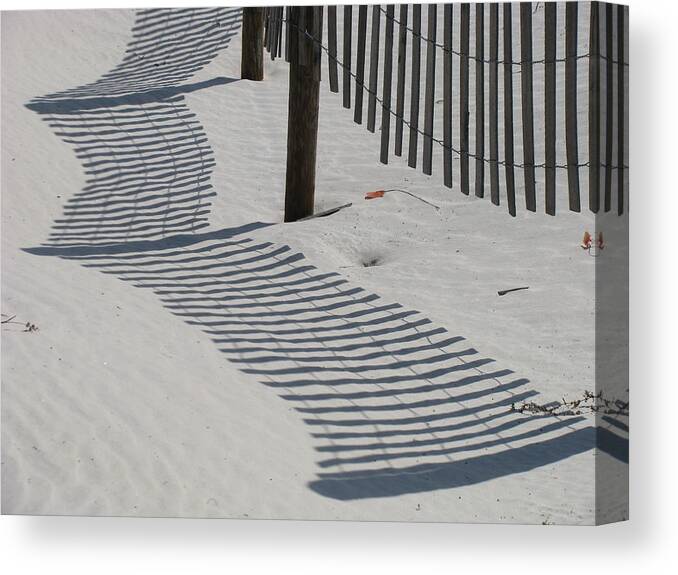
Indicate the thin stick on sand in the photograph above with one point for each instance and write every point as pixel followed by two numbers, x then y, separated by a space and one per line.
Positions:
pixel 382 192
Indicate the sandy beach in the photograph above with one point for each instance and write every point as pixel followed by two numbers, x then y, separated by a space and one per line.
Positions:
pixel 196 357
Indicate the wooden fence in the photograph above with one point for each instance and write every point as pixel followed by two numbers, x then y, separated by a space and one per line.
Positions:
pixel 597 122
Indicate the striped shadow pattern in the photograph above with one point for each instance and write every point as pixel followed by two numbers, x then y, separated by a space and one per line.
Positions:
pixel 145 154
pixel 392 400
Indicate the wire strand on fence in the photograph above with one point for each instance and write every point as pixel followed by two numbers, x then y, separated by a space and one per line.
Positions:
pixel 473 155
pixel 511 62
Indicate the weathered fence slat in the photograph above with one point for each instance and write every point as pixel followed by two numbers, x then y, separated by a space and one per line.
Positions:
pixel 527 99
pixel 288 33
pixel 448 12
pixel 400 89
pixel 429 105
pixel 551 35
pixel 274 32
pixel 571 142
pixel 414 97
pixel 374 68
pixel 318 39
pixel 621 103
pixel 464 32
pixel 388 80
pixel 594 109
pixel 508 110
pixel 332 48
pixel 281 11
pixel 480 100
pixel 302 54
pixel 360 65
pixel 494 103
pixel 609 104
pixel 348 28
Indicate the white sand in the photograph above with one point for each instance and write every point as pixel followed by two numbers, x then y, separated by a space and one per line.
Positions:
pixel 118 407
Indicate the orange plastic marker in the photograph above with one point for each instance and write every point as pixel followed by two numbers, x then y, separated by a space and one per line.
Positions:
pixel 375 194
pixel 586 242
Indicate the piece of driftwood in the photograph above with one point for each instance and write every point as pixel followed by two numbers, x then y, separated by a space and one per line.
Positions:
pixel 505 291
pixel 324 213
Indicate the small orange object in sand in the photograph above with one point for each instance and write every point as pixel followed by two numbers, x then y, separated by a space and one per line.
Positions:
pixel 375 194
pixel 586 242
pixel 601 243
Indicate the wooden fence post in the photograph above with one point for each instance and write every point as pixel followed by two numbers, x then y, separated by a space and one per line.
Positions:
pixel 252 59
pixel 302 121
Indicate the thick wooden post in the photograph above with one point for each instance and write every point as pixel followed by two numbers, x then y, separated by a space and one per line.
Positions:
pixel 302 120
pixel 252 59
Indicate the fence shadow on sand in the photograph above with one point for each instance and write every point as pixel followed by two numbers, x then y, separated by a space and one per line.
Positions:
pixel 394 403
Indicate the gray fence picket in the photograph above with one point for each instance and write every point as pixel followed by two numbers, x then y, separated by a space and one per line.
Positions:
pixel 480 100
pixel 287 34
pixel 464 46
pixel 494 103
pixel 609 104
pixel 400 89
pixel 386 88
pixel 429 105
pixel 360 65
pixel 348 28
pixel 527 100
pixel 448 15
pixel 571 138
pixel 374 68
pixel 415 86
pixel 551 35
pixel 594 109
pixel 509 159
pixel 332 48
